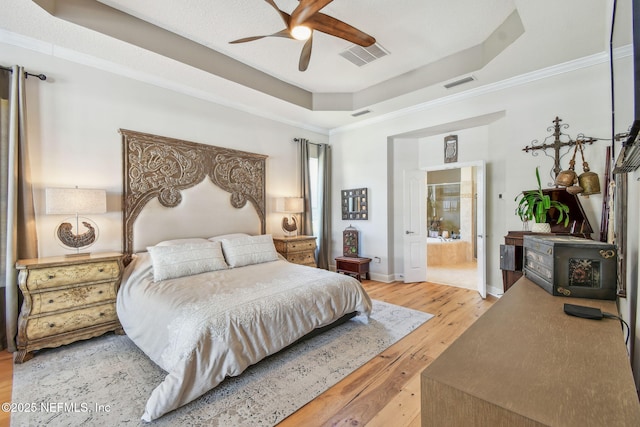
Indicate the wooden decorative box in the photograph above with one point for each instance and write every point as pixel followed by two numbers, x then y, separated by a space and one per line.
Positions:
pixel 571 266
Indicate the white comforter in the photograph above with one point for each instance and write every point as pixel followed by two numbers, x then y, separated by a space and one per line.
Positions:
pixel 203 328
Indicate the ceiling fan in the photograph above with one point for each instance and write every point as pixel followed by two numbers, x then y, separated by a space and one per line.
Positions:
pixel 307 17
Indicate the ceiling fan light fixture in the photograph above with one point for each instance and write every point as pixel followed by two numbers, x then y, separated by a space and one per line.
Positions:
pixel 301 32
pixel 307 18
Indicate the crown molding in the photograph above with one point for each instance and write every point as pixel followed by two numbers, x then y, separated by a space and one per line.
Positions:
pixel 76 57
pixel 53 50
pixel 544 73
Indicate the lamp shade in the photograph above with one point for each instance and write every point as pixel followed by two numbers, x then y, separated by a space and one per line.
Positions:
pixel 290 204
pixel 66 201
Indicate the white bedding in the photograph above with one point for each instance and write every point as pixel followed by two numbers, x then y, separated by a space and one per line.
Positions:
pixel 203 328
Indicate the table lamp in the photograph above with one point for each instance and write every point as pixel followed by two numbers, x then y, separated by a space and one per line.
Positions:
pixel 291 206
pixel 76 201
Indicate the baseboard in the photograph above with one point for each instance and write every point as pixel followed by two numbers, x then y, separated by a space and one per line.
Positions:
pixel 385 278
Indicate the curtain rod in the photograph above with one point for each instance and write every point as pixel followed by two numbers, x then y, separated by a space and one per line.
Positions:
pixel 304 139
pixel 26 74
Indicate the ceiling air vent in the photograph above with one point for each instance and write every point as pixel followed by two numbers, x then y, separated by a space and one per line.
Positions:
pixel 460 82
pixel 360 56
pixel 360 113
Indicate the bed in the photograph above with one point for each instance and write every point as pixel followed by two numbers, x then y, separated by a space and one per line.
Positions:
pixel 205 298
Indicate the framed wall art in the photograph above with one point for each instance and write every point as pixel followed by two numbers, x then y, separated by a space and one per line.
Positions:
pixel 451 149
pixel 355 204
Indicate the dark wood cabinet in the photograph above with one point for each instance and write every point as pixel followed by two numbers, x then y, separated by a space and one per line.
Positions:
pixel 356 266
pixel 511 252
pixel 511 258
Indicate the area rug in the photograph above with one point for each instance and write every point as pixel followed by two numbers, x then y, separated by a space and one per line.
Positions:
pixel 106 381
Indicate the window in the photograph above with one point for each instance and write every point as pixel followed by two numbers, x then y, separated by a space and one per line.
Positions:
pixel 313 181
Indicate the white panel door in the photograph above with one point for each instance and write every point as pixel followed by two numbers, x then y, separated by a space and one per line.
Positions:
pixel 481 183
pixel 415 226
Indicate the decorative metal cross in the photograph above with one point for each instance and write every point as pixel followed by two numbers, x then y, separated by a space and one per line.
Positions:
pixel 557 143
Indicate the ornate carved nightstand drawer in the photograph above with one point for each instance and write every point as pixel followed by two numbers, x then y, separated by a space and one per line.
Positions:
pixel 302 258
pixel 52 277
pixel 297 249
pixel 301 245
pixel 47 302
pixel 66 299
pixel 39 327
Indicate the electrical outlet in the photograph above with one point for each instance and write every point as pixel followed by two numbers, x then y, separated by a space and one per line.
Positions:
pixel 376 259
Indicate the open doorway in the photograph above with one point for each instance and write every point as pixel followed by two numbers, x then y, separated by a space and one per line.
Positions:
pixel 452 218
pixel 416 227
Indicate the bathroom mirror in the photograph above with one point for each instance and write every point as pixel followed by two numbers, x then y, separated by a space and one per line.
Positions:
pixel 355 203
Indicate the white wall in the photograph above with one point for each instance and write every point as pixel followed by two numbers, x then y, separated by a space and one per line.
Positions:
pixel 73 122
pixel 517 115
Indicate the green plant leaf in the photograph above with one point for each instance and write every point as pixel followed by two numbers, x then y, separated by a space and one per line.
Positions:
pixel 534 204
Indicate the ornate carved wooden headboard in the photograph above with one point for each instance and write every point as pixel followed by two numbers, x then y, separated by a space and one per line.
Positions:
pixel 160 167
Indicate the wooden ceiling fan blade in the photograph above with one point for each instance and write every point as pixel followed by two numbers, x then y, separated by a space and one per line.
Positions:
pixel 335 27
pixel 305 55
pixel 283 33
pixel 247 39
pixel 285 16
pixel 305 10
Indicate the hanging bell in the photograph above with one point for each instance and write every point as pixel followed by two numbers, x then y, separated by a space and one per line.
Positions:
pixel 566 178
pixel 589 181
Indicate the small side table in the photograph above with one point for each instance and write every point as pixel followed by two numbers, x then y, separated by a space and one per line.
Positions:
pixel 356 266
pixel 297 249
pixel 67 299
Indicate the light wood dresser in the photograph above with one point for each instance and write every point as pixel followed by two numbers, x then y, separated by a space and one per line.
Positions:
pixel 297 249
pixel 527 363
pixel 66 299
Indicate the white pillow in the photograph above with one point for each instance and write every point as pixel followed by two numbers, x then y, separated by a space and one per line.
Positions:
pixel 227 236
pixel 249 250
pixel 182 241
pixel 170 262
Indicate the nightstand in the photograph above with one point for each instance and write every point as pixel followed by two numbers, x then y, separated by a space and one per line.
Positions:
pixel 356 266
pixel 67 299
pixel 297 249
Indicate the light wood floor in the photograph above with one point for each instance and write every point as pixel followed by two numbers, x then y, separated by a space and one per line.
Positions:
pixel 385 391
pixel 6 379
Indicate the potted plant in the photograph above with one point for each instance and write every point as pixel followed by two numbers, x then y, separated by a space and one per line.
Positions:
pixel 534 204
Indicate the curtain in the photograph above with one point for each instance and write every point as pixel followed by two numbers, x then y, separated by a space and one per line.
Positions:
pixel 17 215
pixel 323 198
pixel 324 205
pixel 306 226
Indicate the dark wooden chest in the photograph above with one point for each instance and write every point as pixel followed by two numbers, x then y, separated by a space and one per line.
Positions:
pixel 571 266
